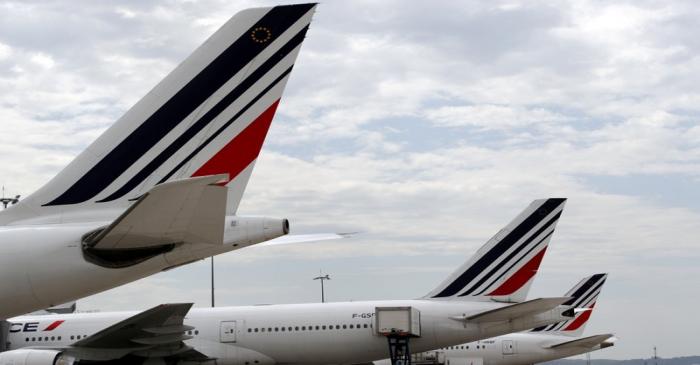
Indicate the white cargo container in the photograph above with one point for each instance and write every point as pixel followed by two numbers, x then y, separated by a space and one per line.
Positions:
pixel 401 321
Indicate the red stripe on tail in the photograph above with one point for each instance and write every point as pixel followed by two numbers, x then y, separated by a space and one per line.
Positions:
pixel 521 277
pixel 580 320
pixel 242 150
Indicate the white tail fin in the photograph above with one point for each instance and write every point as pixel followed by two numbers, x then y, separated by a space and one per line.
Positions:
pixel 503 269
pixel 583 295
pixel 208 116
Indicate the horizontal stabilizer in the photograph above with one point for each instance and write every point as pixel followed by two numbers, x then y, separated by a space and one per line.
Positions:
pixel 586 342
pixel 139 329
pixel 530 307
pixel 304 238
pixel 189 210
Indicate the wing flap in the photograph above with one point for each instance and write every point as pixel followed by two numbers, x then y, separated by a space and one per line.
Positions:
pixel 510 312
pixel 586 342
pixel 188 210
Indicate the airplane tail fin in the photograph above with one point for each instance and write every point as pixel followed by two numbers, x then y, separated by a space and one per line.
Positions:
pixel 209 116
pixel 583 295
pixel 504 268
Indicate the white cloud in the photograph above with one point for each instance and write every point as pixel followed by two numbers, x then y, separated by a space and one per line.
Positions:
pixel 491 116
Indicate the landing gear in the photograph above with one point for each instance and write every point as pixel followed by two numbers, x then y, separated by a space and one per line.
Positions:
pixel 399 352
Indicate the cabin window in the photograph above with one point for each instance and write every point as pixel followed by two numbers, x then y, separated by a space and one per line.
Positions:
pixel 345 327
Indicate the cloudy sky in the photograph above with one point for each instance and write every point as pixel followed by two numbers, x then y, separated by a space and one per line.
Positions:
pixel 424 125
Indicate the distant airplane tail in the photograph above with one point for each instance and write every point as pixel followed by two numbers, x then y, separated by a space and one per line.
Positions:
pixel 209 116
pixel 504 268
pixel 583 295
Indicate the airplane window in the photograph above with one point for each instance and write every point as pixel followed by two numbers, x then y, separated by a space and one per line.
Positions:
pixel 283 329
pixel 276 329
pixel 53 338
pixel 303 328
pixel 296 328
pixel 59 338
pixel 467 347
pixel 477 346
pixel 337 326
pixel 290 328
pixel 262 329
pixel 269 329
pixel 250 330
pixel 256 330
pixel 323 327
pixel 39 339
pixel 34 339
pixel 351 326
pixel 345 327
pixel 46 338
pixel 365 325
pixel 26 339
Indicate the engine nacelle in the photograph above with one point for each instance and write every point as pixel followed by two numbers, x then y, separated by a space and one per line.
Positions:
pixel 245 231
pixel 35 357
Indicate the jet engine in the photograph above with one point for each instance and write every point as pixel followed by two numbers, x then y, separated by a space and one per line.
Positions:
pixel 35 357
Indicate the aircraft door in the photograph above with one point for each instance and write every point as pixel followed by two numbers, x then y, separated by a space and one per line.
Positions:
pixel 227 331
pixel 509 347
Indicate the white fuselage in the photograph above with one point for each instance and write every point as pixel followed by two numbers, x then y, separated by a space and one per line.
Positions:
pixel 511 349
pixel 328 333
pixel 43 265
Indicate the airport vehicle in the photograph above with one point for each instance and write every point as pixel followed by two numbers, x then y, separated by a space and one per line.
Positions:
pixel 541 344
pixel 481 299
pixel 160 188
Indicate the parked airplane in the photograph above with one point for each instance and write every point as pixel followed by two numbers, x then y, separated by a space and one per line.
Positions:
pixel 482 299
pixel 160 188
pixel 541 344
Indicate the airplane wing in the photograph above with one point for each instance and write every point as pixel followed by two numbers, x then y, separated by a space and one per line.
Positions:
pixel 586 342
pixel 157 332
pixel 510 312
pixel 188 210
pixel 304 238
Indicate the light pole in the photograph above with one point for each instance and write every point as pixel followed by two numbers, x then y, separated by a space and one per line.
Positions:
pixel 212 281
pixel 7 201
pixel 322 278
